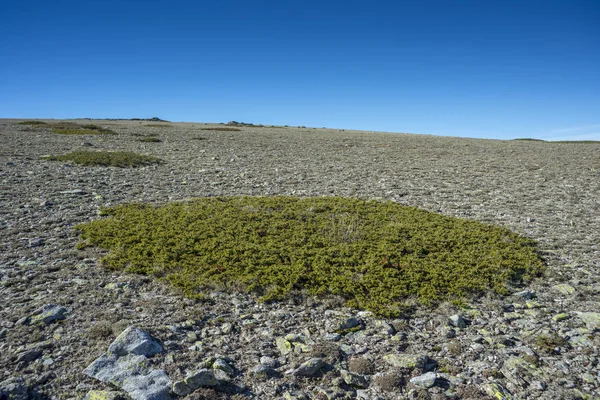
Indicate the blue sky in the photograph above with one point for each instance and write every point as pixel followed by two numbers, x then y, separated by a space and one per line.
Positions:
pixel 485 68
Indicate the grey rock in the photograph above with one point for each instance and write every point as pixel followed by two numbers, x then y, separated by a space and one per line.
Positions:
pixel 74 191
pixel 261 371
pixel 354 380
pixel 309 368
pixel 3 333
pixel 333 337
pixel 14 389
pixel 28 356
pixel 134 341
pixel 153 386
pixel 526 294
pixel 221 375
pixel 110 368
pixel 425 381
pixel 408 361
pixel 591 319
pixel 36 242
pixel 457 321
pixel 202 378
pixel 539 385
pixel 269 362
pixel 47 314
pixel 222 365
pixel 349 323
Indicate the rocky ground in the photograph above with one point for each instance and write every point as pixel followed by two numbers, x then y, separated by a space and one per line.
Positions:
pixel 60 313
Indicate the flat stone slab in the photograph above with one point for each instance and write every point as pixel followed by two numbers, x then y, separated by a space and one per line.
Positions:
pixel 126 366
pixel 48 314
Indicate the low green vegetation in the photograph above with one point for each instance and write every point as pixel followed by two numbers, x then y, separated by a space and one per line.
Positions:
pixel 32 122
pixel 222 129
pixel 548 342
pixel 75 129
pixel 120 159
pixel 373 254
pixel 150 139
pixel 159 125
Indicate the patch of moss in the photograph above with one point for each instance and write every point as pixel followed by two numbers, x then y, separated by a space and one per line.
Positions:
pixel 548 342
pixel 120 159
pixel 373 254
pixel 32 122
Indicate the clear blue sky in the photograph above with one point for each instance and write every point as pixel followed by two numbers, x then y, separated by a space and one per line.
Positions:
pixel 485 68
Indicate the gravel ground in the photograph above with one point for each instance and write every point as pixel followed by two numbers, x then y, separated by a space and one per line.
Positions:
pixel 541 342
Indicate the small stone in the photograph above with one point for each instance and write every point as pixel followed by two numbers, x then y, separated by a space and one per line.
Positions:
pixel 74 191
pixel 309 368
pixel 3 333
pixel 221 375
pixel 498 391
pixel 198 346
pixel 36 242
pixel 560 317
pixel 591 319
pixel 526 294
pixel 293 337
pixel 539 385
pixel 134 341
pixel 112 369
pixel 48 314
pixel 28 356
pixel 14 389
pixel 457 321
pixel 425 381
pixel 564 289
pixel 532 304
pixel 348 324
pixel 283 346
pixel 261 371
pixel 222 365
pixel 269 362
pixel 201 378
pixel 354 380
pixel 451 333
pixel 153 386
pixel 408 361
pixel 333 337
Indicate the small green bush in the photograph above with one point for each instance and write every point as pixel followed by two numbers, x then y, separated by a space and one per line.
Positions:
pixel 120 159
pixel 373 254
pixel 32 122
pixel 150 139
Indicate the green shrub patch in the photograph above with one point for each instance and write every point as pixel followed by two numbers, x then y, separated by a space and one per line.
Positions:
pixel 75 129
pixel 373 254
pixel 106 158
pixel 32 122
